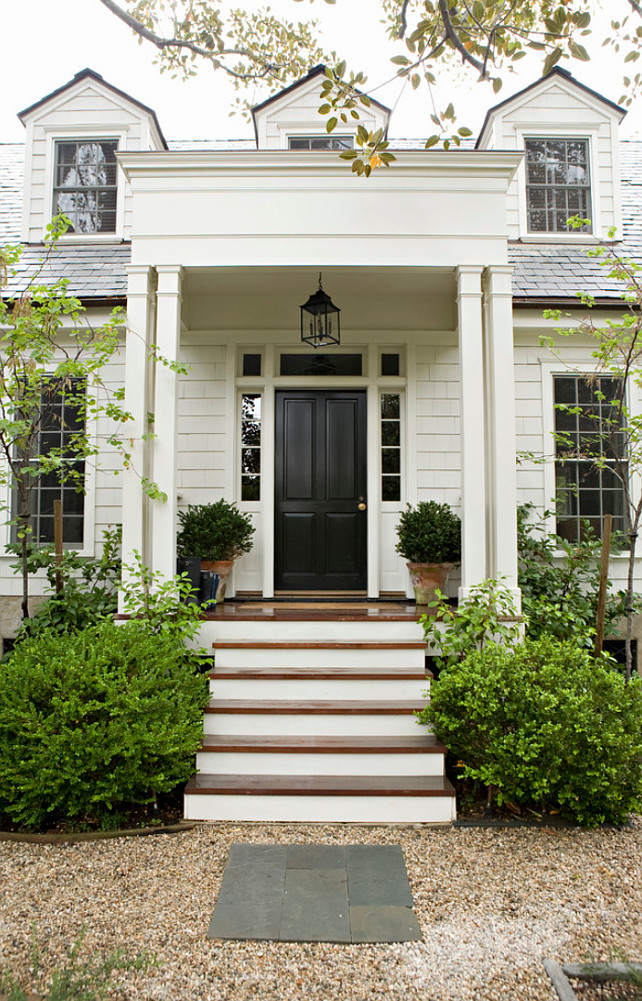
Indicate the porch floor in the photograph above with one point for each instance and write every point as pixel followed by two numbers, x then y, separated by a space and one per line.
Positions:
pixel 254 609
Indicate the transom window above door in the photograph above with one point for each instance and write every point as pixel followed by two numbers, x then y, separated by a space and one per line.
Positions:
pixel 85 185
pixel 557 184
pixel 321 142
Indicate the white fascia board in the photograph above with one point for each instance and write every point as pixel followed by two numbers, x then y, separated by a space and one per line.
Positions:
pixel 483 164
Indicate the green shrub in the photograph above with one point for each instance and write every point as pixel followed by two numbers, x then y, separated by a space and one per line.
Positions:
pixel 95 720
pixel 429 533
pixel 487 614
pixel 89 587
pixel 559 581
pixel 545 725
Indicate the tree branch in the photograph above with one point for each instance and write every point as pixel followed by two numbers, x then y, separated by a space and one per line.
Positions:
pixel 403 17
pixel 263 68
pixel 636 7
pixel 454 38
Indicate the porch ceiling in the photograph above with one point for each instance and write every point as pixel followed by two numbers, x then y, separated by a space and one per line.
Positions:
pixel 269 298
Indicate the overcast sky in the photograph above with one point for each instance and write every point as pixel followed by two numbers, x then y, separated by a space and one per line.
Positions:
pixel 46 41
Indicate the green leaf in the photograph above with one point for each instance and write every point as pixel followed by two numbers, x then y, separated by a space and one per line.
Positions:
pixel 551 60
pixel 330 124
pixel 463 131
pixel 348 154
pixel 497 85
pixel 401 61
pixel 578 51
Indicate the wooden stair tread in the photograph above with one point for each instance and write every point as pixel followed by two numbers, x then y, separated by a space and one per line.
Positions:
pixel 320 785
pixel 318 673
pixel 421 744
pixel 318 645
pixel 314 707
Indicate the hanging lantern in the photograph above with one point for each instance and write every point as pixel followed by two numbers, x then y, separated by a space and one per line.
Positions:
pixel 320 322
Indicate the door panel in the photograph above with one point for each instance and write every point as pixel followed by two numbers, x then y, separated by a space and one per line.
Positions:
pixel 320 535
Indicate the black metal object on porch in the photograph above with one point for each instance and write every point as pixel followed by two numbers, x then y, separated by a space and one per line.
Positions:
pixel 320 320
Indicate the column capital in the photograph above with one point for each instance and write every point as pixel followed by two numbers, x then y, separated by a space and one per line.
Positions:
pixel 469 278
pixel 170 279
pixel 498 279
pixel 141 280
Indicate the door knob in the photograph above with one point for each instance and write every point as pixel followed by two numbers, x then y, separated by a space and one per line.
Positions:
pixel 361 506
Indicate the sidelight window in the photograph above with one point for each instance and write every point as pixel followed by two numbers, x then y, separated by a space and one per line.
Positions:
pixel 250 447
pixel 390 447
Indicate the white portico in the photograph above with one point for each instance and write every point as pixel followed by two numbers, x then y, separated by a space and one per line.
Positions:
pixel 225 246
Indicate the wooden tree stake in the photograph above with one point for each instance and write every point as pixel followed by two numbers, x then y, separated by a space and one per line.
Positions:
pixel 57 506
pixel 604 576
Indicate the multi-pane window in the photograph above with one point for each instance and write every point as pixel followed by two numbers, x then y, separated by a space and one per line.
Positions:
pixel 250 447
pixel 61 421
pixel 590 445
pixel 390 447
pixel 557 183
pixel 321 142
pixel 85 185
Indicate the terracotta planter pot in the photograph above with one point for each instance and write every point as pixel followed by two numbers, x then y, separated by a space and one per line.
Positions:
pixel 426 578
pixel 223 568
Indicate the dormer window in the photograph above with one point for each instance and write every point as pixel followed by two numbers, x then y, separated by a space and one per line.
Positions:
pixel 557 183
pixel 321 142
pixel 85 185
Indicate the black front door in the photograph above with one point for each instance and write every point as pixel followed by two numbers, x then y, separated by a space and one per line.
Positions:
pixel 320 483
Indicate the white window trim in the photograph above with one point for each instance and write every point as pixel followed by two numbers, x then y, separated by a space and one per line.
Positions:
pixel 89 509
pixel 548 371
pixel 545 131
pixel 77 134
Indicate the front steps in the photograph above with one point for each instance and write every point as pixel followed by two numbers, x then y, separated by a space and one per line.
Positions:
pixel 313 721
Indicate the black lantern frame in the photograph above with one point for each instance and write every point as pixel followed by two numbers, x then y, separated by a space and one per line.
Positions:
pixel 320 320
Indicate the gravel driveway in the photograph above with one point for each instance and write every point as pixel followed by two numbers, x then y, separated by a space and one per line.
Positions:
pixel 491 905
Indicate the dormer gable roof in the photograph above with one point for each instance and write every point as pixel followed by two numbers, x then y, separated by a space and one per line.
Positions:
pixel 90 75
pixel 286 97
pixel 557 74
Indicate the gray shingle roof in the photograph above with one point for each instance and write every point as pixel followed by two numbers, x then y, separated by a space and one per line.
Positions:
pixel 562 270
pixel 550 270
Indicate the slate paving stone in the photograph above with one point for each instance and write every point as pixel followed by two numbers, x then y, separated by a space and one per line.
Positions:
pixel 379 893
pixel 384 924
pixel 247 920
pixel 316 857
pixel 315 906
pixel 315 893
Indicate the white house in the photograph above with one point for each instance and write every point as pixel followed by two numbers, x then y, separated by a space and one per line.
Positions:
pixel 441 267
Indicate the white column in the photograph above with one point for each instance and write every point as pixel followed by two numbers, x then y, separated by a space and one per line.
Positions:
pixel 502 469
pixel 141 285
pixel 473 475
pixel 168 327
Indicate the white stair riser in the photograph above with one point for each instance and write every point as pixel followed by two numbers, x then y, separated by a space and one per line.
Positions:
pixel 304 689
pixel 243 657
pixel 310 632
pixel 302 763
pixel 305 724
pixel 322 809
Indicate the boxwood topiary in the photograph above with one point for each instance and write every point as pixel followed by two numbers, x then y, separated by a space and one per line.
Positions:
pixel 95 721
pixel 429 533
pixel 217 531
pixel 546 725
